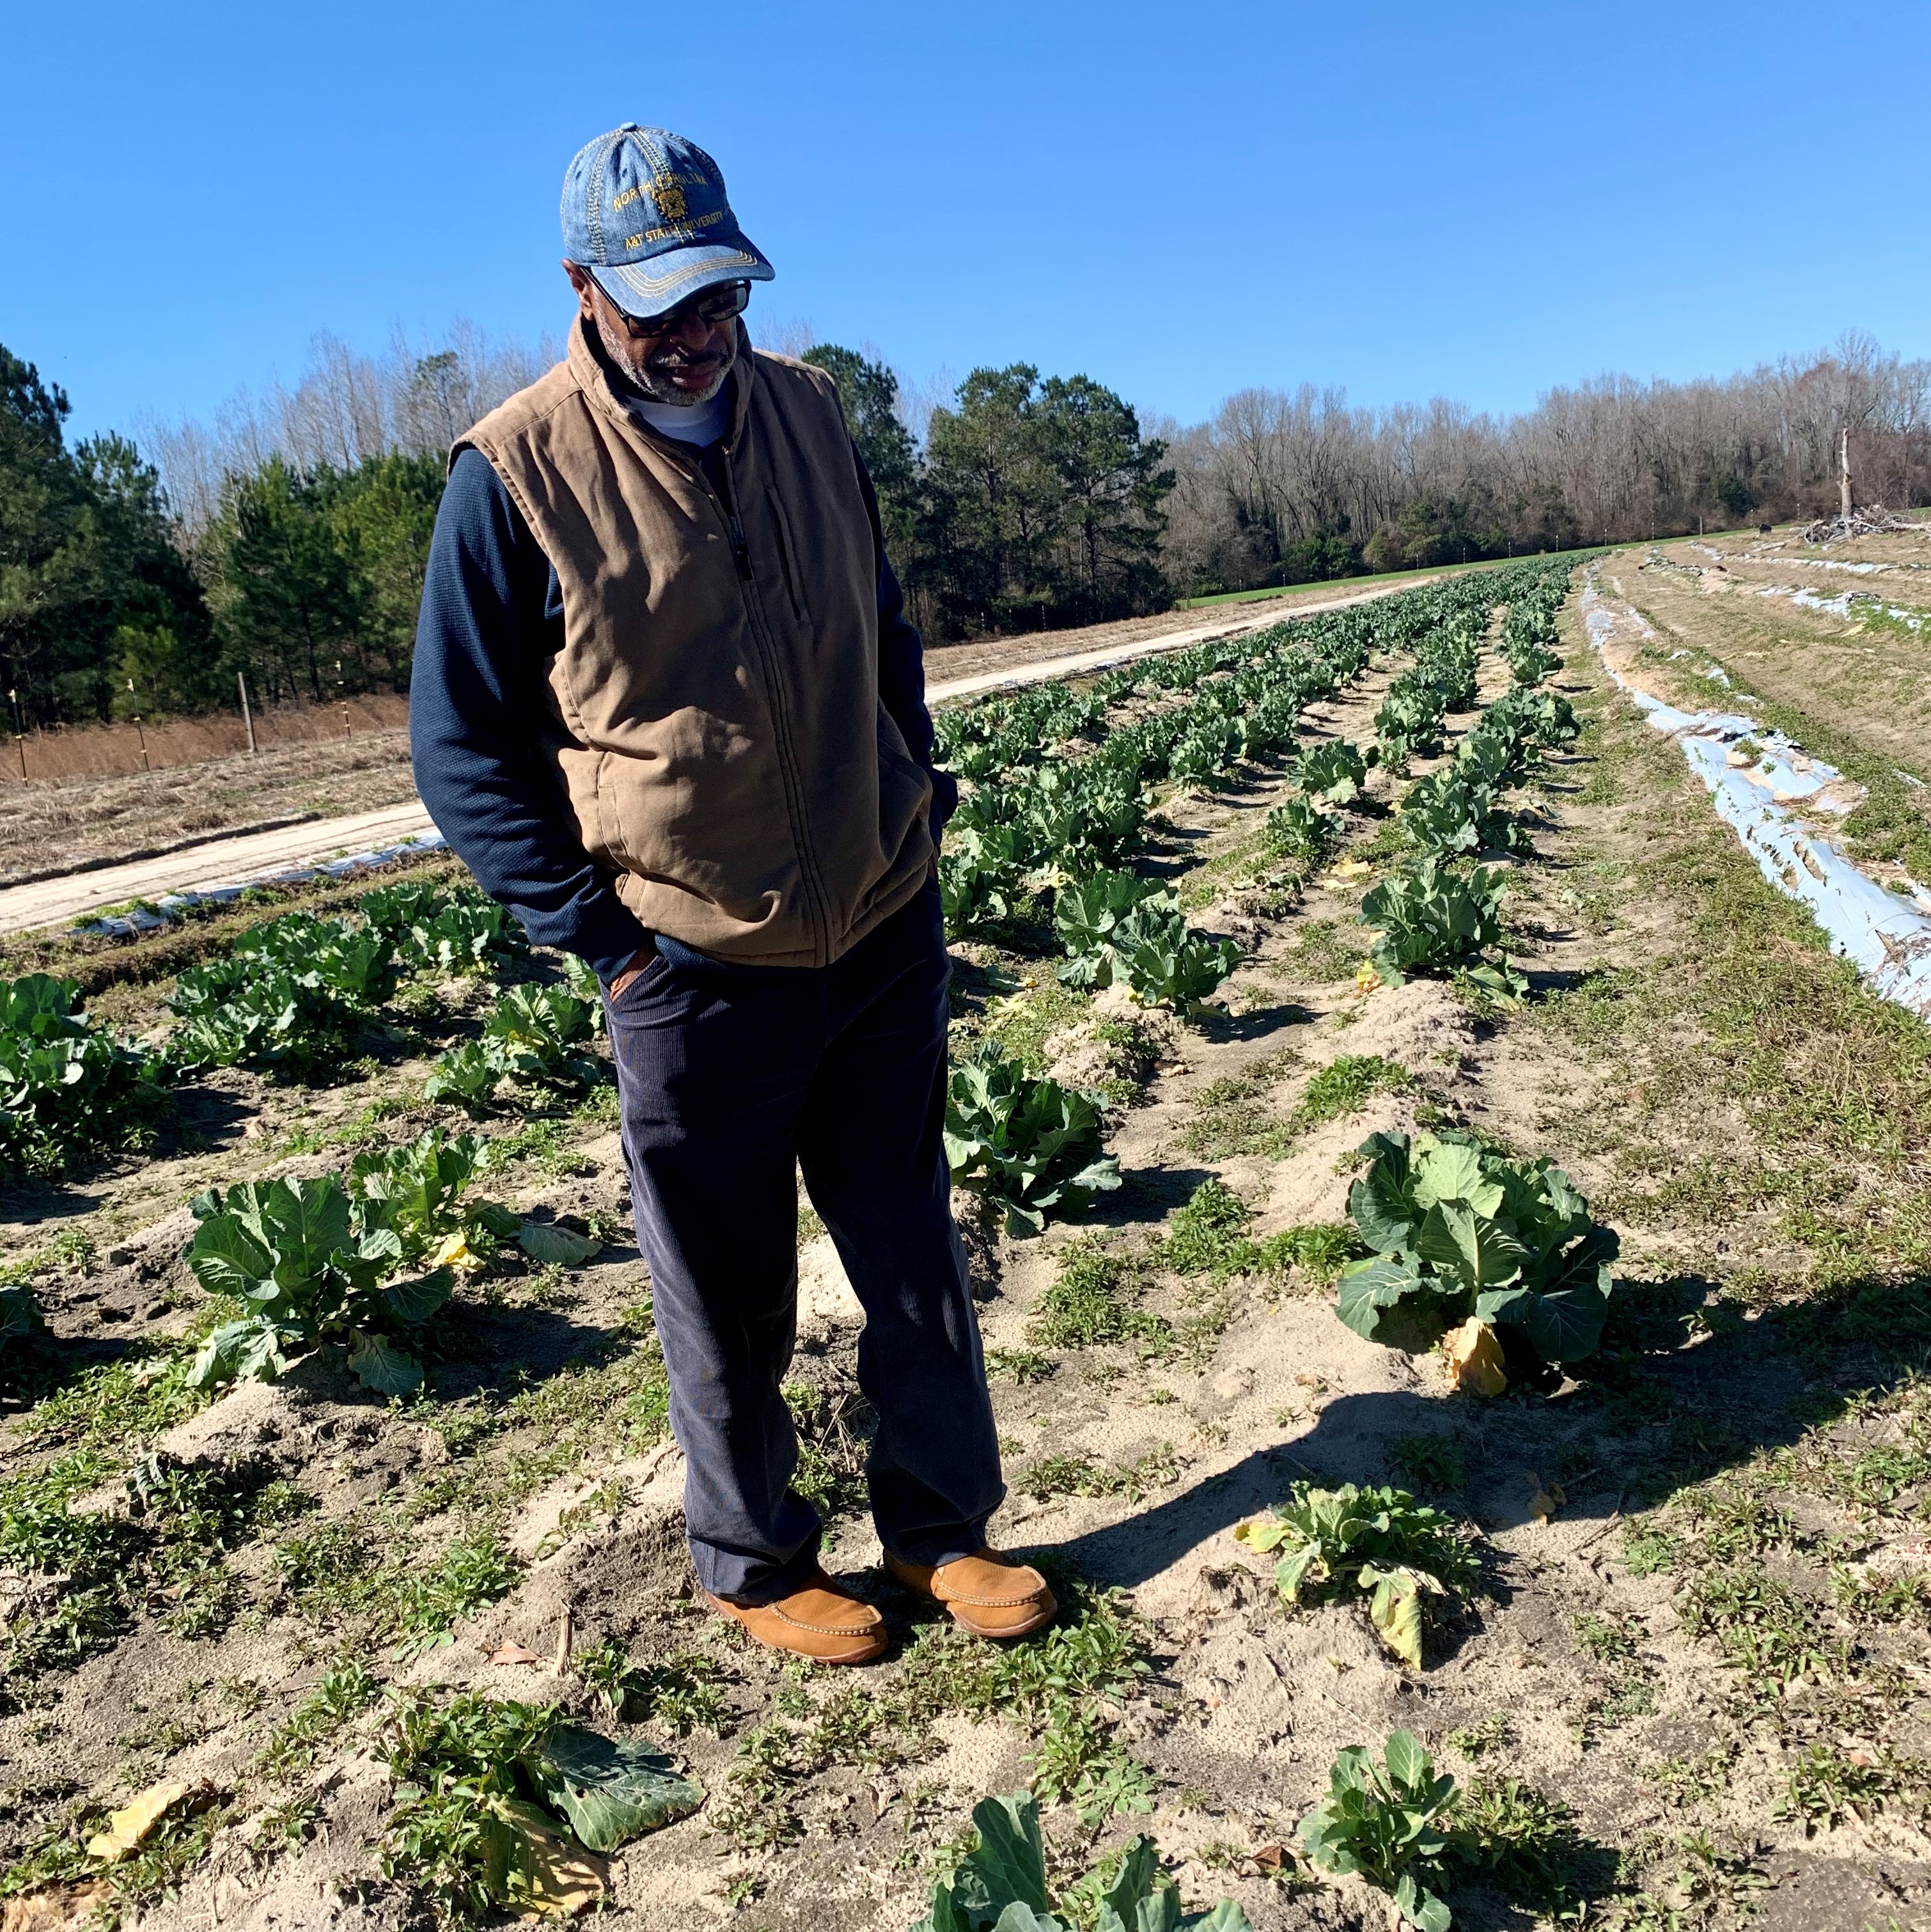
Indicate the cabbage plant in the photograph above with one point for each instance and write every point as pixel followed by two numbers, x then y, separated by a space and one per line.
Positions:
pixel 1336 771
pixel 1029 1146
pixel 1002 1884
pixel 1433 920
pixel 66 1086
pixel 1460 1231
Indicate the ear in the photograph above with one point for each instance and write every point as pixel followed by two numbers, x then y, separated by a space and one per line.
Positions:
pixel 580 281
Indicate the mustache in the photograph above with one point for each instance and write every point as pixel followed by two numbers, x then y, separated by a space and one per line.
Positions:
pixel 674 355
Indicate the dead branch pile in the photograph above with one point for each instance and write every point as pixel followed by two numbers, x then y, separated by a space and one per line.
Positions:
pixel 1871 521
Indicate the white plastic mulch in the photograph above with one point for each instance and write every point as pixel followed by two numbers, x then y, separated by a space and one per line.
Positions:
pixel 149 918
pixel 1766 799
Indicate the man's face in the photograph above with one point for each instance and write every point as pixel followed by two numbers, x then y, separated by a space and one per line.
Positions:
pixel 681 358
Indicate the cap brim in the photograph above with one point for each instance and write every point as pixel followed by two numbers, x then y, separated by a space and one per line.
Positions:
pixel 650 287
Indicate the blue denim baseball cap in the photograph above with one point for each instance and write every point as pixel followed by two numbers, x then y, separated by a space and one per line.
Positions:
pixel 644 211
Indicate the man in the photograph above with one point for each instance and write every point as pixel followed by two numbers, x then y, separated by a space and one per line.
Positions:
pixel 667 708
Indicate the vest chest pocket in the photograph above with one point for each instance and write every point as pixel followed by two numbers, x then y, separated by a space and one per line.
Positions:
pixel 794 575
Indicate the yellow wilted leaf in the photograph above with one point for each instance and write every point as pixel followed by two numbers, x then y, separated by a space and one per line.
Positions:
pixel 128 1826
pixel 1365 978
pixel 545 1873
pixel 454 1251
pixel 1475 1358
pixel 1394 1609
pixel 1546 1500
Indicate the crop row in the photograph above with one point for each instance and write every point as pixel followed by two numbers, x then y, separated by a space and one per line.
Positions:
pixel 291 997
pixel 1059 784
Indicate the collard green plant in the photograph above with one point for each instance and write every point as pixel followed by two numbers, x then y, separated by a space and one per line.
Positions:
pixel 1002 1885
pixel 1210 750
pixel 1335 771
pixel 353 964
pixel 1409 722
pixel 468 1074
pixel 1380 1542
pixel 533 1035
pixel 393 910
pixel 67 1088
pixel 236 1014
pixel 291 995
pixel 1386 1822
pixel 1433 920
pixel 1029 1146
pixel 1461 1231
pixel 981 875
pixel 309 1269
pixel 416 1191
pixel 1452 812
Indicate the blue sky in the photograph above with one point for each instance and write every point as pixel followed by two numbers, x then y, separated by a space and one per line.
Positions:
pixel 1477 201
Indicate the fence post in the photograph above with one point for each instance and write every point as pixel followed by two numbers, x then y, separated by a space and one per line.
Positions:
pixel 247 716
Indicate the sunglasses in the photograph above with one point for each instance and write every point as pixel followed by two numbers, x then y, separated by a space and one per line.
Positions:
pixel 712 306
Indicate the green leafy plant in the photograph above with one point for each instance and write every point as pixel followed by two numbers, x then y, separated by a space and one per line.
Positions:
pixel 393 910
pixel 1336 771
pixel 1087 914
pixel 1430 920
pixel 1029 1146
pixel 1300 830
pixel 1450 812
pixel 468 1074
pixel 532 1035
pixel 496 1803
pixel 356 965
pixel 417 1191
pixel 1461 1232
pixel 309 1270
pixel 1378 1542
pixel 1001 1885
pixel 981 875
pixel 66 1087
pixel 1386 1823
pixel 1165 962
pixel 1080 1761
pixel 534 1032
pixel 466 932
pixel 240 1013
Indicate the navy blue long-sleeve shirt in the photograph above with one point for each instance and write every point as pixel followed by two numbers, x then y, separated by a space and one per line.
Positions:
pixel 492 620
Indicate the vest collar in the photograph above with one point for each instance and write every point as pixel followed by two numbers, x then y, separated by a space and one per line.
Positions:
pixel 592 372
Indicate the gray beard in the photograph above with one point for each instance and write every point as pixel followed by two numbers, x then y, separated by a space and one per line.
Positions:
pixel 653 383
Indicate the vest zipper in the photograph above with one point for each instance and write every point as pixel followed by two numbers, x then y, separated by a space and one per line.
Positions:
pixel 787 756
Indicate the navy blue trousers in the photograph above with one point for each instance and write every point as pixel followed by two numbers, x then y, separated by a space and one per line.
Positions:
pixel 732 1079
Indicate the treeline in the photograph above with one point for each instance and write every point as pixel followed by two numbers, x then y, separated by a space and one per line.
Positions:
pixel 1280 488
pixel 287 541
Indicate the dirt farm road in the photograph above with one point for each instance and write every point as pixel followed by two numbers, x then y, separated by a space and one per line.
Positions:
pixel 247 858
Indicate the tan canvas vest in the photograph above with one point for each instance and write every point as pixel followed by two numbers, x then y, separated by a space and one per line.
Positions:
pixel 714 712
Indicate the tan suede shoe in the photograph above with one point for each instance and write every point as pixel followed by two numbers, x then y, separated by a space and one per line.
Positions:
pixel 988 1594
pixel 822 1620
